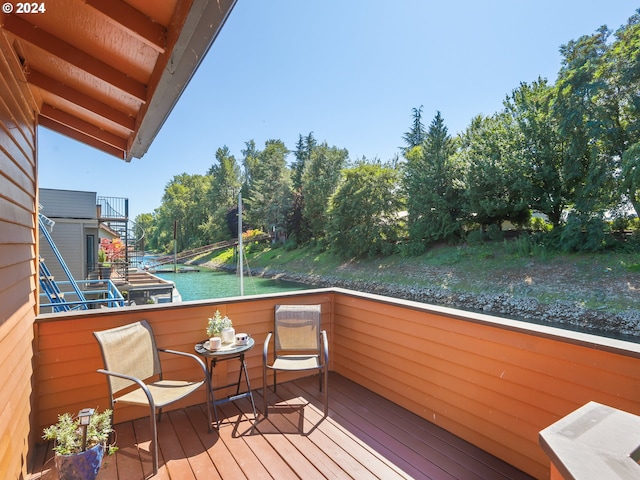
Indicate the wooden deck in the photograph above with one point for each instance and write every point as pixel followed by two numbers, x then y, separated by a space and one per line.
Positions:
pixel 365 436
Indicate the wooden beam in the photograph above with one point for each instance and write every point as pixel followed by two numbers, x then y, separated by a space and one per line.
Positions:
pixel 72 95
pixel 70 54
pixel 74 123
pixel 134 21
pixel 76 135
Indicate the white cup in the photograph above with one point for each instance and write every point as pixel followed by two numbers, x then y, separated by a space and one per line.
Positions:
pixel 242 338
pixel 215 343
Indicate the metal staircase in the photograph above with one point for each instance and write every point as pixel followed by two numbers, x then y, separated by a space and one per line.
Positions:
pixel 49 285
pixel 51 288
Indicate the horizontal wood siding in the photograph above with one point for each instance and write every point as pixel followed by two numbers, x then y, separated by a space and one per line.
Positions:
pixel 478 377
pixel 68 204
pixel 68 354
pixel 17 266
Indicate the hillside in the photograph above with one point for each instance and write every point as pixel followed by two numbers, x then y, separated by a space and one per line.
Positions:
pixel 596 292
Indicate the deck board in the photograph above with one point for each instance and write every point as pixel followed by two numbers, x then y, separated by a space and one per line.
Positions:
pixel 365 436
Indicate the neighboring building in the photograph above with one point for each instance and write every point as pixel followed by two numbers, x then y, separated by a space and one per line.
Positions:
pixel 75 233
pixel 108 77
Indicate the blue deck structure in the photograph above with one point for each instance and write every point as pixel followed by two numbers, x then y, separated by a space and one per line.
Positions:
pixel 67 295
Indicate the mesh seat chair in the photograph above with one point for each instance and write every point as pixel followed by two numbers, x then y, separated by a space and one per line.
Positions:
pixel 299 344
pixel 131 358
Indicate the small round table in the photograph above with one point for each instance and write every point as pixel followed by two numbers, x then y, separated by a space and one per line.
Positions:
pixel 223 354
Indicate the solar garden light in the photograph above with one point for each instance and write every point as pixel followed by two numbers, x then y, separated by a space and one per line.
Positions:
pixel 85 418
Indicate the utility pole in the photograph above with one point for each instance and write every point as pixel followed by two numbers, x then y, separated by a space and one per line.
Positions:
pixel 240 260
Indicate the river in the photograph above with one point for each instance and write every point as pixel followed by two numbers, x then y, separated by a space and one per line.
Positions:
pixel 215 284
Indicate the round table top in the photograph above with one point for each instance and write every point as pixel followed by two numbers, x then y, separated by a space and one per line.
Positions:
pixel 225 349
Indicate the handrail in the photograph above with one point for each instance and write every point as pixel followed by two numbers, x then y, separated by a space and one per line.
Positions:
pixel 67 272
pixel 204 249
pixel 113 296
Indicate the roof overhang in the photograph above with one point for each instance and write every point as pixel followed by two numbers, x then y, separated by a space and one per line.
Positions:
pixel 108 73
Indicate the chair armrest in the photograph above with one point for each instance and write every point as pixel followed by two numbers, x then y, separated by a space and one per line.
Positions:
pixel 190 355
pixel 135 380
pixel 265 348
pixel 325 347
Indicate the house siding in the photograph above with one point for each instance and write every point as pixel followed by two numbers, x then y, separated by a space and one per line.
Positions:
pixel 68 204
pixel 18 246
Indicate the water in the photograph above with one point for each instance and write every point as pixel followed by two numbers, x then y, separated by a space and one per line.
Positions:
pixel 207 284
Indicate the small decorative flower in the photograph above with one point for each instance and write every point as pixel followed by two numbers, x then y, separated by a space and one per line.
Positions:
pixel 218 323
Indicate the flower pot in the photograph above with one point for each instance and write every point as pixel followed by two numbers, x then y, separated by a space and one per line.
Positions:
pixel 80 466
pixel 105 273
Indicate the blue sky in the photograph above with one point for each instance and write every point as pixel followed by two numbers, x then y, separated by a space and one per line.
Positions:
pixel 350 71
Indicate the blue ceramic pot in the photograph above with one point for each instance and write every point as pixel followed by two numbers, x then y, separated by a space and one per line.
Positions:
pixel 80 466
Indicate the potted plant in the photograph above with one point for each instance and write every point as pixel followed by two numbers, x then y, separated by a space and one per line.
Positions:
pixel 80 443
pixel 103 264
pixel 222 327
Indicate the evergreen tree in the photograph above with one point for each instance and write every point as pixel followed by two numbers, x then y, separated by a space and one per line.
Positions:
pixel 416 135
pixel 269 193
pixel 432 183
pixel 304 149
pixel 319 182
pixel 226 181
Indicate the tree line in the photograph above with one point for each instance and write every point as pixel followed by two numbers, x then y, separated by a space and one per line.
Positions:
pixel 567 152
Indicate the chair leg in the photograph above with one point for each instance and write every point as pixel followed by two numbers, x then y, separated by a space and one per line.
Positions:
pixel 325 374
pixel 209 402
pixel 154 440
pixel 265 391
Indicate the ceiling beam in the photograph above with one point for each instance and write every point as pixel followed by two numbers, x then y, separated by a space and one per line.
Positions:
pixel 80 137
pixel 74 123
pixel 72 95
pixel 135 22
pixel 70 54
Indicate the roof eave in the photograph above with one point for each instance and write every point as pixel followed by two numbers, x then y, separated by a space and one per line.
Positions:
pixel 194 41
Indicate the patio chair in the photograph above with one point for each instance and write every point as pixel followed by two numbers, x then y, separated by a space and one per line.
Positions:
pixel 299 344
pixel 131 358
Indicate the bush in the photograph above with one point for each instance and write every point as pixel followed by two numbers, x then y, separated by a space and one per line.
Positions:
pixel 411 249
pixel 290 244
pixel 537 224
pixel 475 237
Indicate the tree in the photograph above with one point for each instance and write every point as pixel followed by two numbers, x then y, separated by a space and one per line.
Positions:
pixel 432 183
pixel 184 201
pixel 623 61
pixel 319 182
pixel 269 191
pixel 495 191
pixel 541 148
pixel 364 211
pixel 145 231
pixel 416 135
pixel 226 181
pixel 304 148
pixel 584 122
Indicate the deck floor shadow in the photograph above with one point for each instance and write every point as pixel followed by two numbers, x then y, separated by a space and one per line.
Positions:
pixel 364 437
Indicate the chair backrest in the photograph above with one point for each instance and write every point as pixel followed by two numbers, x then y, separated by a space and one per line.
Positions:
pixel 131 350
pixel 297 327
